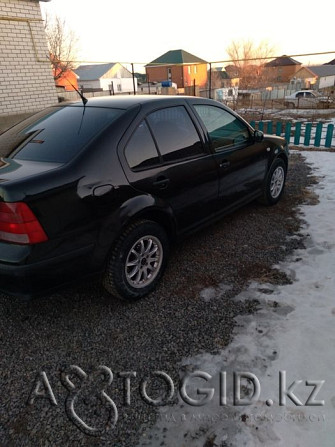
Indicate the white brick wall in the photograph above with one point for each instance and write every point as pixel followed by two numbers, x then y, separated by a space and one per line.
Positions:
pixel 26 81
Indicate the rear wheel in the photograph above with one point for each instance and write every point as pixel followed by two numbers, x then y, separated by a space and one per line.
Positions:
pixel 137 261
pixel 274 183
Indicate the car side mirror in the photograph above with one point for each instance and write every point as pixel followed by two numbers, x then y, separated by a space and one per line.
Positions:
pixel 258 136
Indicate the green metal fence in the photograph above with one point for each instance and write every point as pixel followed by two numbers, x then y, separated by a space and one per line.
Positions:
pixel 300 133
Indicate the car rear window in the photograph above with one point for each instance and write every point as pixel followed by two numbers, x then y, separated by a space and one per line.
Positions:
pixel 56 134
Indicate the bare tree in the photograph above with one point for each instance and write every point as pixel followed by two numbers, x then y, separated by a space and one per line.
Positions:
pixel 249 60
pixel 62 43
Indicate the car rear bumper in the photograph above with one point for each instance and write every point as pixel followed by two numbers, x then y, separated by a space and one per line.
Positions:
pixel 29 279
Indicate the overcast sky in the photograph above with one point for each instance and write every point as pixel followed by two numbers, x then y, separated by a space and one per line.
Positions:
pixel 133 31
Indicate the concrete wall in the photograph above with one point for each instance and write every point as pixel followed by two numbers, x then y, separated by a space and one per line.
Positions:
pixel 123 85
pixel 26 81
pixel 89 84
pixel 326 81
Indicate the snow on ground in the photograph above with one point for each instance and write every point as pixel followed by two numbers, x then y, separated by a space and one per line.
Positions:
pixel 328 114
pixel 291 114
pixel 287 349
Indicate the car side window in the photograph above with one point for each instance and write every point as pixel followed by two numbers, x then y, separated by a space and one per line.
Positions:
pixel 141 151
pixel 175 134
pixel 224 129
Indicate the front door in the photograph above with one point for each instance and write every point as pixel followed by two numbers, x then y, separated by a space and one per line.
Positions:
pixel 242 162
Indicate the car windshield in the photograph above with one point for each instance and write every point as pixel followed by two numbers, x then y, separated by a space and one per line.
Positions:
pixel 57 134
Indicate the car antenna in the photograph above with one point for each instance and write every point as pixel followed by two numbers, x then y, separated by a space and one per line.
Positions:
pixel 85 100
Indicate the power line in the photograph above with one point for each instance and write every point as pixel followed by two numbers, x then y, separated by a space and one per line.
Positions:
pixel 212 62
pixel 276 57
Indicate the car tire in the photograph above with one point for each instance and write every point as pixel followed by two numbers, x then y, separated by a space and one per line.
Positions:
pixel 274 183
pixel 137 261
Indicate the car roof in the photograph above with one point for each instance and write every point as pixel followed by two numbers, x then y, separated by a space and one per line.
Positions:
pixel 126 102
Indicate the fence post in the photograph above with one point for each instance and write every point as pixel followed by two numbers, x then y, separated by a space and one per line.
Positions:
pixel 297 133
pixel 269 127
pixel 308 130
pixel 261 126
pixel 329 136
pixel 210 81
pixel 148 81
pixel 288 132
pixel 318 134
pixel 253 124
pixel 133 76
pixel 279 127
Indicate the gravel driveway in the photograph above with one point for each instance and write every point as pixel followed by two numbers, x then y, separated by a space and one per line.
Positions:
pixel 82 326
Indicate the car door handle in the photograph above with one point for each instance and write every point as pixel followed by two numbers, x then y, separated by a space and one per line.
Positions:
pixel 224 164
pixel 161 182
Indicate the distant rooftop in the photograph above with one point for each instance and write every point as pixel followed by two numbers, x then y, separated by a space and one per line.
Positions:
pixel 322 70
pixel 173 57
pixel 93 72
pixel 282 61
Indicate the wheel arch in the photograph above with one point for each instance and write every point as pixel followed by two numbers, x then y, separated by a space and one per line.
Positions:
pixel 283 157
pixel 162 217
pixel 134 209
pixel 265 199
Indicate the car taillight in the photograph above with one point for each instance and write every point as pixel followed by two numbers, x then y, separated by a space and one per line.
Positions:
pixel 19 225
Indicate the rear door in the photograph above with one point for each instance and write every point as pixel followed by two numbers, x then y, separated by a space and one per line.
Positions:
pixel 166 158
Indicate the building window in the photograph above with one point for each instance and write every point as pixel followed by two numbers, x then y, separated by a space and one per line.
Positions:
pixel 169 74
pixel 195 69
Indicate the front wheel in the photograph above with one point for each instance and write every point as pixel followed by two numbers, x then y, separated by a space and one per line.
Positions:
pixel 274 184
pixel 137 261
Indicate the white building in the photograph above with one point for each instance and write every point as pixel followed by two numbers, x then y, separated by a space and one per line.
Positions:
pixel 317 76
pixel 111 76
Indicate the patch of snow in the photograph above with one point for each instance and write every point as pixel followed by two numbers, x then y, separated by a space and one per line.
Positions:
pixel 210 292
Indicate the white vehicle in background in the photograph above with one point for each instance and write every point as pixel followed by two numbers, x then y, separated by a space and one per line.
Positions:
pixel 226 95
pixel 308 99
